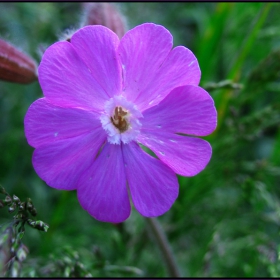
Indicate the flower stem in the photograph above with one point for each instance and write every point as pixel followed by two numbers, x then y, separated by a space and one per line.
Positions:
pixel 164 246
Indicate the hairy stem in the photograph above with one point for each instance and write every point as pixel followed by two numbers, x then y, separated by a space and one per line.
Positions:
pixel 164 246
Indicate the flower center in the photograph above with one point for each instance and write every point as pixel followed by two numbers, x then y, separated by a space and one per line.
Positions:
pixel 120 120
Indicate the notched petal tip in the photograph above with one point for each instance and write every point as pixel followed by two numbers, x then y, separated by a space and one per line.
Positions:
pixel 186 156
pixel 153 193
pixel 186 109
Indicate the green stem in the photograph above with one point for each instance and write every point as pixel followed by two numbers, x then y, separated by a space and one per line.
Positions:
pixel 164 246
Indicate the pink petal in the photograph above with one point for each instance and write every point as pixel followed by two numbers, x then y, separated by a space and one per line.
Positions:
pixel 186 156
pixel 97 46
pixel 102 190
pixel 180 68
pixel 46 123
pixel 142 51
pixel 66 81
pixel 153 185
pixel 61 164
pixel 187 109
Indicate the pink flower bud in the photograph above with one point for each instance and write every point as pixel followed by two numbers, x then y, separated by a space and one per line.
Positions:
pixel 15 66
pixel 104 14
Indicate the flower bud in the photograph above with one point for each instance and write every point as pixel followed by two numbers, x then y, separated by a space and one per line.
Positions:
pixel 22 252
pixel 40 225
pixel 15 198
pixel 12 208
pixel 7 200
pixel 2 190
pixel 29 206
pixel 22 206
pixel 33 211
pixel 15 66
pixel 104 14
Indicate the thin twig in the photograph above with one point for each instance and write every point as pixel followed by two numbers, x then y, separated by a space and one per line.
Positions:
pixel 164 246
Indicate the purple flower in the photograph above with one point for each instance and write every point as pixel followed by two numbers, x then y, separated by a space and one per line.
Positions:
pixel 103 98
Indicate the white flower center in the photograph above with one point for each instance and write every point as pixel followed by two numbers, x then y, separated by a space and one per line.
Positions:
pixel 120 120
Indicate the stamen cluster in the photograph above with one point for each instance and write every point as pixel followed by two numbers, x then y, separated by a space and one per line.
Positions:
pixel 119 120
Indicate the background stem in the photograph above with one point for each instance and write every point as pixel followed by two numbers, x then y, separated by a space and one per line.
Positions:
pixel 164 246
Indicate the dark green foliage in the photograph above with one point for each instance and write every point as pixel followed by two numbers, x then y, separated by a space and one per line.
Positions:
pixel 12 251
pixel 226 220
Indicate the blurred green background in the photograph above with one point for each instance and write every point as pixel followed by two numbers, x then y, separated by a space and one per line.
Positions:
pixel 226 220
